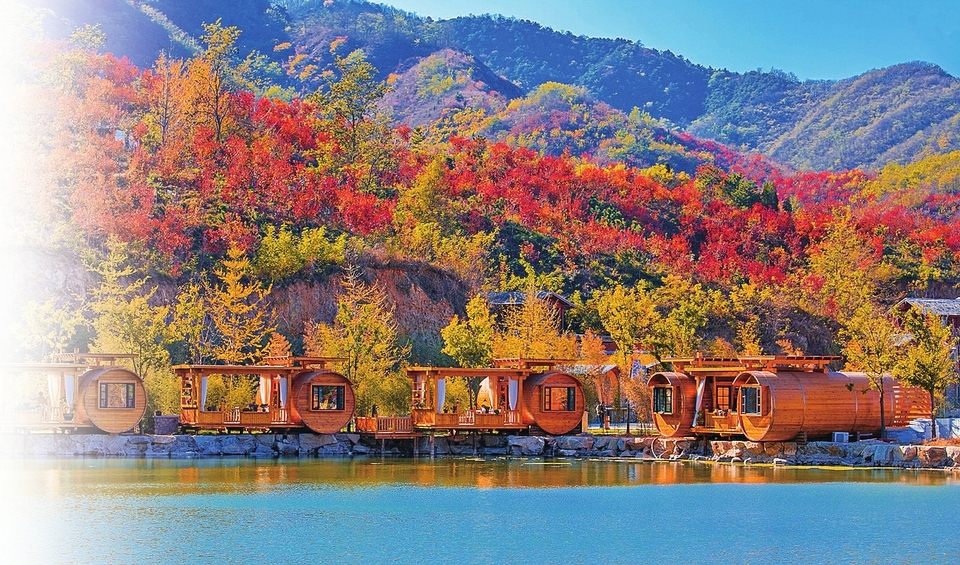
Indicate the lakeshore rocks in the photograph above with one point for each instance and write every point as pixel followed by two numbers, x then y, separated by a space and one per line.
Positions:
pixel 870 453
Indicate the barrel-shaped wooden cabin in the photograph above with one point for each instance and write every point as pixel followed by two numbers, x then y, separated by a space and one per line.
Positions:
pixel 112 399
pixel 293 393
pixel 524 394
pixel 554 402
pixel 776 399
pixel 322 400
pixel 87 392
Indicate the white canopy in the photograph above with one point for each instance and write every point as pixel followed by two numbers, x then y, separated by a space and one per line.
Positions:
pixel 441 393
pixel 264 390
pixel 513 388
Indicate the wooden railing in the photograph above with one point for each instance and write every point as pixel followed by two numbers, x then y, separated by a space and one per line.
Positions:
pixel 483 420
pixel 427 418
pixel 255 418
pixel 728 422
pixel 209 417
pixel 424 417
pixel 231 416
pixel 385 424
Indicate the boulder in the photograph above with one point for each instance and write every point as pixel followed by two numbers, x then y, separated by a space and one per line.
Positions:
pixel 932 456
pixel 754 448
pixel 600 442
pixel 348 438
pixel 309 443
pixel 526 445
pixel 639 443
pixel 490 440
pixel 575 443
pixel 237 445
pixel 326 439
pixel 773 448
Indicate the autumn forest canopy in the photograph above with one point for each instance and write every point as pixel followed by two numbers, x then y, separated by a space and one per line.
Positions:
pixel 220 201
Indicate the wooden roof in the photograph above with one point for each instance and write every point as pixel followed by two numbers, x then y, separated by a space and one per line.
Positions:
pixel 771 363
pixel 938 306
pixel 278 366
pixel 74 368
pixel 501 367
pixel 205 370
pixel 515 298
pixel 444 372
pixel 95 358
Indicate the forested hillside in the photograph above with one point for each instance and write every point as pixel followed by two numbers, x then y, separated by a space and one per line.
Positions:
pixel 897 114
pixel 208 207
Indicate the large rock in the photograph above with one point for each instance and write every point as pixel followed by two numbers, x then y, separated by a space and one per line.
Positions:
pixel 932 456
pixel 526 445
pixel 575 443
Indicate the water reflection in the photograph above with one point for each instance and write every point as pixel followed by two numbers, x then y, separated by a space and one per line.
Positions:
pixel 172 477
pixel 464 510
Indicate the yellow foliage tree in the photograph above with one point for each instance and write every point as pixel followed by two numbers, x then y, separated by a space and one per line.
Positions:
pixel 927 360
pixel 532 331
pixel 365 334
pixel 125 321
pixel 470 342
pixel 241 324
pixel 871 347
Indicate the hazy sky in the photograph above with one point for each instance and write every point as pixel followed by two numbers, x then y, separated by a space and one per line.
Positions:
pixel 816 39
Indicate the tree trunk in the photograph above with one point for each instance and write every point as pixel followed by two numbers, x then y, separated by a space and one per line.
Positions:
pixel 883 423
pixel 933 416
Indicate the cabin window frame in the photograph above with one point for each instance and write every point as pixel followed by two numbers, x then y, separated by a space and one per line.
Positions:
pixel 663 399
pixel 756 403
pixel 723 400
pixel 317 396
pixel 568 399
pixel 130 395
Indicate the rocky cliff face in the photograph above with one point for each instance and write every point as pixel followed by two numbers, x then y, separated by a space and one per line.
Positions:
pixel 424 300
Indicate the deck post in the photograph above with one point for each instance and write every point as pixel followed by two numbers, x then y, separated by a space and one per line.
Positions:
pixel 433 447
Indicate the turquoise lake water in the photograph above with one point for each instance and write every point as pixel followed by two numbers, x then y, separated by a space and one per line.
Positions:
pixel 471 511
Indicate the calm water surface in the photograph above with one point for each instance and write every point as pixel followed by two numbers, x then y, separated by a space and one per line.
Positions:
pixel 470 511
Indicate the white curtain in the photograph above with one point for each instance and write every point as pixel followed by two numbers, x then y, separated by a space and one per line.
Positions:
pixel 485 390
pixel 700 388
pixel 283 393
pixel 441 393
pixel 264 390
pixel 53 383
pixel 203 393
pixel 68 384
pixel 513 388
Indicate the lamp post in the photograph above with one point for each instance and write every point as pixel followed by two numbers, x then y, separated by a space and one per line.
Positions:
pixel 628 417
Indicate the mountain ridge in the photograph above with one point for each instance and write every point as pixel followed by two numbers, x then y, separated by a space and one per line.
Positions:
pixel 896 114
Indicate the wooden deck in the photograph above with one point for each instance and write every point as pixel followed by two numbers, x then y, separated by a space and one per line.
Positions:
pixel 467 420
pixel 34 419
pixel 398 427
pixel 387 427
pixel 235 418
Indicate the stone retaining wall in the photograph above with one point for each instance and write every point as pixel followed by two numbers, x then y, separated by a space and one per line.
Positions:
pixel 336 445
pixel 867 453
pixel 859 454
